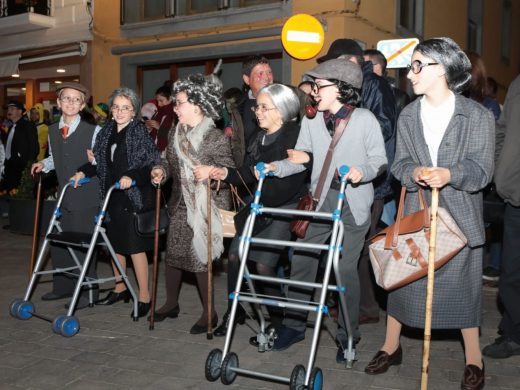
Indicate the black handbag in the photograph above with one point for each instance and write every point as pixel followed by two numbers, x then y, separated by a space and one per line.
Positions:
pixel 144 222
pixel 261 221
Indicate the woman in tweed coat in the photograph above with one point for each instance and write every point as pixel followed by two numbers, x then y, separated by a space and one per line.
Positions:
pixel 452 137
pixel 195 142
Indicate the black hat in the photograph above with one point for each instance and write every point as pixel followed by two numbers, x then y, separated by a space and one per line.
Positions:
pixel 14 103
pixel 341 47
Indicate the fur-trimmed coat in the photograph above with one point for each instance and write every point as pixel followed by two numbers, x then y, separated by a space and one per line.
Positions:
pixel 214 150
pixel 141 151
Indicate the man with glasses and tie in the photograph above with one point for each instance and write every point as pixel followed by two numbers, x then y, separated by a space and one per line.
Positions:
pixel 69 141
pixel 21 146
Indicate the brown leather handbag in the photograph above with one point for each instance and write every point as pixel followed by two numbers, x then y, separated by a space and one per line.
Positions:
pixel 399 253
pixel 309 202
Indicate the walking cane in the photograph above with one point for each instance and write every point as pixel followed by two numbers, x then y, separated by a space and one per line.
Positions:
pixel 36 225
pixel 429 291
pixel 209 334
pixel 155 253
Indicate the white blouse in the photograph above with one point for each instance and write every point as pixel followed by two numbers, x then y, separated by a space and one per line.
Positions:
pixel 435 121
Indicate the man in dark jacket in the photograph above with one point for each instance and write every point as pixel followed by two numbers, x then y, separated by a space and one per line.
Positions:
pixel 256 74
pixel 377 96
pixel 507 174
pixel 21 146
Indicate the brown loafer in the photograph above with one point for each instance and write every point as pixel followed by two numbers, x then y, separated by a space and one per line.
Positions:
pixel 382 361
pixel 474 377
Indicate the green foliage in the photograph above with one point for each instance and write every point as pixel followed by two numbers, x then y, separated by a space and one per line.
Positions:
pixel 28 185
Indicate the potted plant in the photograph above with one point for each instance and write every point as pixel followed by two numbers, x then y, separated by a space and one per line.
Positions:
pixel 22 202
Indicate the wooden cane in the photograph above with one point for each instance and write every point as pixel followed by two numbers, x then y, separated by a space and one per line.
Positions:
pixel 209 334
pixel 35 237
pixel 429 293
pixel 155 254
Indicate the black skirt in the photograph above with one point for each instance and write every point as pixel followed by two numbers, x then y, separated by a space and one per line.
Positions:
pixel 121 228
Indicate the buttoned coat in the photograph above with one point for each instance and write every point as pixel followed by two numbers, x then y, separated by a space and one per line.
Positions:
pixel 467 150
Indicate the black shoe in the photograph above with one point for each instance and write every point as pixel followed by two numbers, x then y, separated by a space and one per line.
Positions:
pixel 240 317
pixel 199 329
pixel 382 361
pixel 173 313
pixel 142 309
pixel 114 297
pixel 287 337
pixel 502 348
pixel 52 296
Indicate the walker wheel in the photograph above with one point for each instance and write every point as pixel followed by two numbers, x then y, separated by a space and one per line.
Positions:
pixel 213 361
pixel 228 375
pixel 297 381
pixel 316 379
pixel 24 310
pixel 56 324
pixel 13 307
pixel 69 326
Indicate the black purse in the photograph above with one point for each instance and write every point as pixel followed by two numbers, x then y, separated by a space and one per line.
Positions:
pixel 261 221
pixel 144 222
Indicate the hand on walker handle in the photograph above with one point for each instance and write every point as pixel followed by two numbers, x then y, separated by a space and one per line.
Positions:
pixel 354 175
pixel 125 182
pixel 76 178
pixel 267 169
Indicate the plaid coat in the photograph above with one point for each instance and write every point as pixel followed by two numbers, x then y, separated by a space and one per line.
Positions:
pixel 467 150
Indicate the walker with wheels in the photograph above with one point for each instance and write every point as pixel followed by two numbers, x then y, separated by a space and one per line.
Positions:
pixel 224 364
pixel 67 324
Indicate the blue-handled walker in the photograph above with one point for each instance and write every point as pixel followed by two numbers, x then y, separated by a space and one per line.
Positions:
pixel 67 324
pixel 223 364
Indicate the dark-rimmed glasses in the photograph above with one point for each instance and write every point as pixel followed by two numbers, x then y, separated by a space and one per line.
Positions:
pixel 316 87
pixel 416 66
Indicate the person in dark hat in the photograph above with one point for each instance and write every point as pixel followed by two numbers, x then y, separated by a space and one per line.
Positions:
pixel 21 146
pixel 361 147
pixel 378 97
pixel 69 141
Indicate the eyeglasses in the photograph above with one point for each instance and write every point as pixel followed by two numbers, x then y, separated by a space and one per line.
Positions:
pixel 417 66
pixel 123 109
pixel 71 100
pixel 177 104
pixel 316 87
pixel 262 108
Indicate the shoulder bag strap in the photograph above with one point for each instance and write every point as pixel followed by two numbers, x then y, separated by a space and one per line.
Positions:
pixel 328 159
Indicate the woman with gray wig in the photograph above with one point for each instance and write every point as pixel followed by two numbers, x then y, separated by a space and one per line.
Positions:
pixel 124 152
pixel 277 108
pixel 444 141
pixel 194 143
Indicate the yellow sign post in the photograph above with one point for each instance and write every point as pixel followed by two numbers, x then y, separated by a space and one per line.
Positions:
pixel 302 36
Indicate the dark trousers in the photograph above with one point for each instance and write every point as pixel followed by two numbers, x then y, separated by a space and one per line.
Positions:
pixel 74 221
pixel 509 287
pixel 368 305
pixel 304 266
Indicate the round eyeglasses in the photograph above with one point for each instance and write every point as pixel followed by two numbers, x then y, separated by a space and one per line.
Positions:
pixel 416 66
pixel 262 108
pixel 71 100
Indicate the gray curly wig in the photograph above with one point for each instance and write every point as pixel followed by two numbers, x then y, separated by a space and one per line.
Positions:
pixel 284 99
pixel 446 52
pixel 130 95
pixel 202 93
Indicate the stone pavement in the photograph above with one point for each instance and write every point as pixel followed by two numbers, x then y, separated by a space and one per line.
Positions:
pixel 113 352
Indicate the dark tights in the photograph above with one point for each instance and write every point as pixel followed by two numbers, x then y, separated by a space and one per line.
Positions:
pixel 173 286
pixel 276 313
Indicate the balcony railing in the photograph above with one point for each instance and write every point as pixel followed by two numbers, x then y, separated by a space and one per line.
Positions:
pixel 16 7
